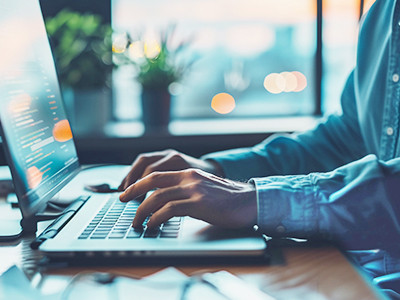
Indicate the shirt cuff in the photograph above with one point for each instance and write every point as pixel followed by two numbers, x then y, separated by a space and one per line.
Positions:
pixel 287 206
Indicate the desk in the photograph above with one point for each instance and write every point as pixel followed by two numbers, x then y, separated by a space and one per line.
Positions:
pixel 306 273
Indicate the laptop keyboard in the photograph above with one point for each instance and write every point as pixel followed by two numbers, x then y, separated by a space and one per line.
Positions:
pixel 114 221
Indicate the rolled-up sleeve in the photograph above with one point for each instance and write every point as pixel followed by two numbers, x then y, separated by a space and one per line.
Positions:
pixel 355 205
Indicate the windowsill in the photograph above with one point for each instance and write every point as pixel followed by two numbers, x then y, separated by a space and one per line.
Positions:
pixel 217 127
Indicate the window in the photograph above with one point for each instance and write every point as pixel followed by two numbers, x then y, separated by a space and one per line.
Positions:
pixel 340 30
pixel 260 52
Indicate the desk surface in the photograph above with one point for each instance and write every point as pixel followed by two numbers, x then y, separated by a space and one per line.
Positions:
pixel 304 273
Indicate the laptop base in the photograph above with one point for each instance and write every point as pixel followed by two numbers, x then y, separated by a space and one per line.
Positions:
pixel 115 261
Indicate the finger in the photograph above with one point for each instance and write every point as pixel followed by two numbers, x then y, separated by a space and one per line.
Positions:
pixel 166 163
pixel 172 209
pixel 138 166
pixel 155 201
pixel 151 182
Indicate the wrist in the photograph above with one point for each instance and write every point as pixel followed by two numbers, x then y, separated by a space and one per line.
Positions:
pixel 214 168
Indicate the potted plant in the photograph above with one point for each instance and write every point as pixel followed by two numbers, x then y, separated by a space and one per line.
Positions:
pixel 158 64
pixel 81 46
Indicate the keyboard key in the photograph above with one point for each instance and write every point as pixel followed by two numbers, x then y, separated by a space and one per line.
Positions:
pixel 119 230
pixel 132 233
pixel 114 221
pixel 99 235
pixel 169 235
pixel 123 222
pixel 171 227
pixel 105 230
pixel 105 227
pixel 151 233
pixel 116 236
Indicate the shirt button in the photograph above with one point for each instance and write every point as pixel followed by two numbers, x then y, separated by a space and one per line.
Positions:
pixel 389 131
pixel 280 229
pixel 395 77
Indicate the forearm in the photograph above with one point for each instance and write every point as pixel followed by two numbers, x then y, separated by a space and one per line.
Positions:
pixel 355 205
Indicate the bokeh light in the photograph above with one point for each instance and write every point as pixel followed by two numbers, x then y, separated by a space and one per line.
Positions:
pixel 301 81
pixel 34 177
pixel 152 49
pixel 175 88
pixel 223 103
pixel 62 131
pixel 290 81
pixel 136 50
pixel 285 82
pixel 119 43
pixel 274 83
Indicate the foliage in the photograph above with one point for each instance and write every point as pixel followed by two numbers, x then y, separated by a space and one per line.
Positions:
pixel 158 63
pixel 81 46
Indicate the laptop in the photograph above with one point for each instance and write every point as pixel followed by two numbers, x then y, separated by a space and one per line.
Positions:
pixel 41 154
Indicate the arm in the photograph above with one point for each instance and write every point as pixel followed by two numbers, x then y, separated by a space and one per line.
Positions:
pixel 333 143
pixel 356 205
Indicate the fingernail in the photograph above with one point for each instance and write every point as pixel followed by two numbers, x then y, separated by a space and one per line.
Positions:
pixel 122 197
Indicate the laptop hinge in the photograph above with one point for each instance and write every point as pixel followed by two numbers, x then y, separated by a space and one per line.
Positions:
pixel 29 225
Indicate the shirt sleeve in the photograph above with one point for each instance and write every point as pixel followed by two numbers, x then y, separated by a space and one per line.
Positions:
pixel 356 205
pixel 331 144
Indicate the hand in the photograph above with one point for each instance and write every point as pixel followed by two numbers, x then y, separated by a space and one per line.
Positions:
pixel 194 193
pixel 168 160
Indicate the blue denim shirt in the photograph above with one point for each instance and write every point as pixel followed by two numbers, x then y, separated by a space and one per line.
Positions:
pixel 340 181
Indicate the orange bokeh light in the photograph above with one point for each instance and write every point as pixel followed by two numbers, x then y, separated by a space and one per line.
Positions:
pixel 34 177
pixel 223 103
pixel 62 131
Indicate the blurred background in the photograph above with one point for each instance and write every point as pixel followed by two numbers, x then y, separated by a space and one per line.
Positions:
pixel 198 76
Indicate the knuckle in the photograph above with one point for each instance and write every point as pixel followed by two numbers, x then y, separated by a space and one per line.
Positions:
pixel 193 173
pixel 170 208
pixel 191 188
pixel 149 170
pixel 157 195
pixel 199 198
pixel 155 175
pixel 176 155
pixel 169 151
pixel 142 156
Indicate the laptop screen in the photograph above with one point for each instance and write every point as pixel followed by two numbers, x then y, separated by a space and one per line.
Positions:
pixel 36 133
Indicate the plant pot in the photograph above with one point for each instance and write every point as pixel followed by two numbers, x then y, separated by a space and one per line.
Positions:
pixel 156 107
